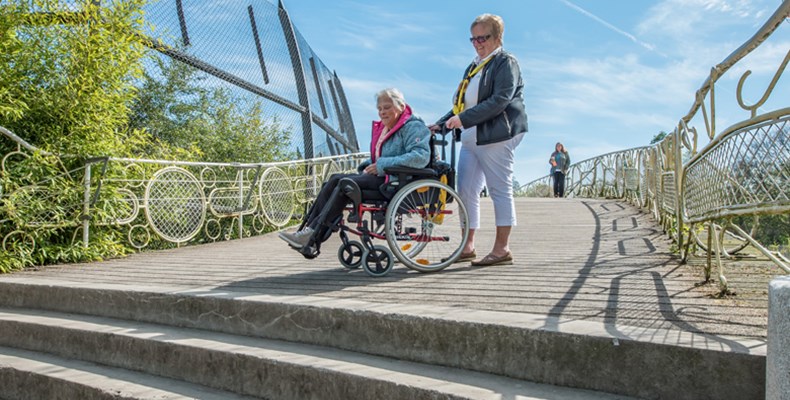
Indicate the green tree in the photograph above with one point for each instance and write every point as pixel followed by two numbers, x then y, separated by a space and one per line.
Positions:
pixel 67 76
pixel 658 137
pixel 70 77
pixel 208 124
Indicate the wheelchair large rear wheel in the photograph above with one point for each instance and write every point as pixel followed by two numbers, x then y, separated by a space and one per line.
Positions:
pixel 426 225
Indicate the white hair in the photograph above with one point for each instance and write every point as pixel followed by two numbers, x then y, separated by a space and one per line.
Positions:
pixel 393 94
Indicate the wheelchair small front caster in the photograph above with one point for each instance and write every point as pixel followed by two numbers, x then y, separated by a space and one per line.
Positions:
pixel 352 254
pixel 379 261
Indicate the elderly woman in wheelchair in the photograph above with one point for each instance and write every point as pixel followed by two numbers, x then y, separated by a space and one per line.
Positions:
pixel 402 194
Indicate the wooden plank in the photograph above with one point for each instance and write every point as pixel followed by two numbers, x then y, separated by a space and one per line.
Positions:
pixel 599 260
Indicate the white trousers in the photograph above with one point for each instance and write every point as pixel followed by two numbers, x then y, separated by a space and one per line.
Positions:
pixel 489 165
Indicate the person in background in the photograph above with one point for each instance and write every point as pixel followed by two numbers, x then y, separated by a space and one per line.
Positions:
pixel 400 138
pixel 560 161
pixel 488 108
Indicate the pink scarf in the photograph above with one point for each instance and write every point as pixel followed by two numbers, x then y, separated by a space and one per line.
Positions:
pixel 380 135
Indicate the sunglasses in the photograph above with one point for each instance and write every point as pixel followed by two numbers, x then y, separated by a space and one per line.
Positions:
pixel 479 39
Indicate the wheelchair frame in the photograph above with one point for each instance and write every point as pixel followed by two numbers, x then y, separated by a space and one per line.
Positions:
pixel 413 221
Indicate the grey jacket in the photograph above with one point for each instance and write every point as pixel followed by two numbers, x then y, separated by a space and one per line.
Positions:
pixel 499 114
pixel 563 161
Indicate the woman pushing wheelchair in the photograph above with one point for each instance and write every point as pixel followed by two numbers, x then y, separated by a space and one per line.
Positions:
pixel 399 139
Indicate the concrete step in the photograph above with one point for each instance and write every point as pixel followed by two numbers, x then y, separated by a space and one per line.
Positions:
pixel 33 375
pixel 639 362
pixel 245 365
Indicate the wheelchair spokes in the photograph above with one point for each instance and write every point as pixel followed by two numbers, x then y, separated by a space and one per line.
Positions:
pixel 426 225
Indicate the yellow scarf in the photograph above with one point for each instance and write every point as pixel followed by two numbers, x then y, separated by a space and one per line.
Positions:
pixel 458 107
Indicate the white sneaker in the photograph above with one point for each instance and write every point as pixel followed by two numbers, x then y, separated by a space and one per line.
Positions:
pixel 297 239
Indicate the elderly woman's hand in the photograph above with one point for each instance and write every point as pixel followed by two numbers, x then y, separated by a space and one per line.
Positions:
pixel 454 123
pixel 371 169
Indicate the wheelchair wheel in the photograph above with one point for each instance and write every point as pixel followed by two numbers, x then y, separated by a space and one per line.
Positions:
pixel 426 225
pixel 352 254
pixel 379 261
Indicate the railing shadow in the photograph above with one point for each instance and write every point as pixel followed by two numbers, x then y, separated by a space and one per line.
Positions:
pixel 660 317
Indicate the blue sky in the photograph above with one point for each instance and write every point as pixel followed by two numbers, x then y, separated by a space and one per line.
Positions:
pixel 600 75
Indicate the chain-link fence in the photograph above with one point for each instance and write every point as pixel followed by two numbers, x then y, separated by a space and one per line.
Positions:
pixel 249 54
pixel 224 71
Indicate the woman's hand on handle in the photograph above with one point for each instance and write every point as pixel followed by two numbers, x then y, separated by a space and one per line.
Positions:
pixel 454 123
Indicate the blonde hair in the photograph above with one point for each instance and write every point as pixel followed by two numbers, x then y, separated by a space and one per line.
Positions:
pixel 494 22
pixel 393 94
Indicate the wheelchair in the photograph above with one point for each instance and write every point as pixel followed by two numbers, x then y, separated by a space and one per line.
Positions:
pixel 420 216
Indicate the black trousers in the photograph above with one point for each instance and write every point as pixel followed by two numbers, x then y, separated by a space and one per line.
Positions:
pixel 335 208
pixel 559 184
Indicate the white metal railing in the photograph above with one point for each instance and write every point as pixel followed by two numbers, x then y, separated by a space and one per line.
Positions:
pixel 175 201
pixel 743 170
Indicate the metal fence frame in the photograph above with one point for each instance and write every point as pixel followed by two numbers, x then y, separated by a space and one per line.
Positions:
pixel 179 202
pixel 712 187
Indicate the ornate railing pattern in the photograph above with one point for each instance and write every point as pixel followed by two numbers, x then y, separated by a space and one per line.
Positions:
pixel 258 62
pixel 745 171
pixel 742 171
pixel 170 201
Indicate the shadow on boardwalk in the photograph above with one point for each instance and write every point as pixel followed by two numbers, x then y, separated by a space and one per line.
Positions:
pixel 594 260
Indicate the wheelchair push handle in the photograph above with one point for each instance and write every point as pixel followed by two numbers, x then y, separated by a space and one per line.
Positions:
pixel 443 131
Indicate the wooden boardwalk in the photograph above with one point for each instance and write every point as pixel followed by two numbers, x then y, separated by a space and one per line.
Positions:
pixel 575 259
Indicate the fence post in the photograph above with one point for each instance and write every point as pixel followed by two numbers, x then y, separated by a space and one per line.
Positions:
pixel 603 182
pixel 86 206
pixel 595 175
pixel 299 78
pixel 241 203
pixel 679 193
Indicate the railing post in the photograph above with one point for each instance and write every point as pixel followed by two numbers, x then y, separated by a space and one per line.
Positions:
pixel 603 183
pixel 86 206
pixel 241 202
pixel 679 193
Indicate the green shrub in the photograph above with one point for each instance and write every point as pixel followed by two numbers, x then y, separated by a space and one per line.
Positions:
pixel 67 77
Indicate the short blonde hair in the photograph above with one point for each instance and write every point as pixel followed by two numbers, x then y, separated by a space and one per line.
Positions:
pixel 393 94
pixel 494 22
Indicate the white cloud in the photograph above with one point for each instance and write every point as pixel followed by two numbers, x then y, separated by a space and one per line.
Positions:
pixel 611 27
pixel 391 28
pixel 610 88
pixel 680 18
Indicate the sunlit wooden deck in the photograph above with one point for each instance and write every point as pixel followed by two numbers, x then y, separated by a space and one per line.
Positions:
pixel 599 260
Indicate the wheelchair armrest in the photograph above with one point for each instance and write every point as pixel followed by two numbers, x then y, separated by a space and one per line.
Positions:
pixel 405 175
pixel 401 171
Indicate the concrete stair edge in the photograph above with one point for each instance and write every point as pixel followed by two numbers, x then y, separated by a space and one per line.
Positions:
pixel 575 354
pixel 29 374
pixel 253 366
